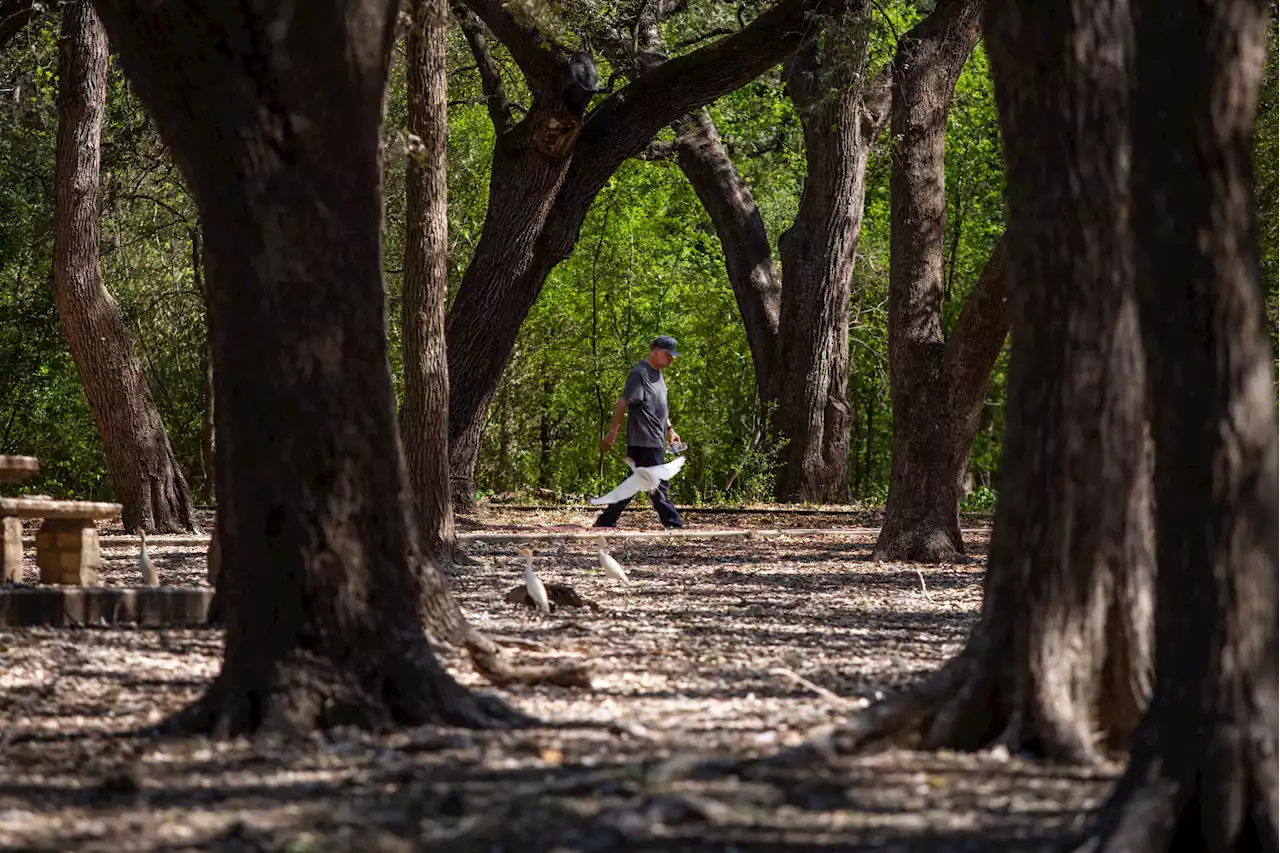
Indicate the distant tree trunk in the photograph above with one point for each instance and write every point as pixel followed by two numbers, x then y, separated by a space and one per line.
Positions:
pixel 1202 770
pixel 274 120
pixel 208 441
pixel 1061 655
pixel 484 320
pixel 921 520
pixel 748 255
pixel 841 119
pixel 425 416
pixel 145 473
pixel 546 432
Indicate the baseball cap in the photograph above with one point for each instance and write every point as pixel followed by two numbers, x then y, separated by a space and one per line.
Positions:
pixel 667 343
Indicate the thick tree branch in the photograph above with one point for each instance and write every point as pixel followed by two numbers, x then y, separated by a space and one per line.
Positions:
pixel 527 46
pixel 14 15
pixel 743 237
pixel 877 98
pixel 978 335
pixel 659 150
pixel 624 123
pixel 710 34
pixel 490 76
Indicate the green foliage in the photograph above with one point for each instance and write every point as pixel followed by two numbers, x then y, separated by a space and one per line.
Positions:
pixel 648 261
pixel 980 499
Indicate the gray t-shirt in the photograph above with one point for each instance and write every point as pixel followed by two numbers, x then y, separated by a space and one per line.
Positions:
pixel 646 396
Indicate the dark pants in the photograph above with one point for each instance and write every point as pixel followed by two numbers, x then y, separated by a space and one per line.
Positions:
pixel 644 457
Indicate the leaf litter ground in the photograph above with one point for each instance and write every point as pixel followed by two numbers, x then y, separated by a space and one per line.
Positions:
pixel 695 661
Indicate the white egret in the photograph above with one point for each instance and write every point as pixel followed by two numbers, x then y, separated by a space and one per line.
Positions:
pixel 610 566
pixel 533 584
pixel 641 480
pixel 148 568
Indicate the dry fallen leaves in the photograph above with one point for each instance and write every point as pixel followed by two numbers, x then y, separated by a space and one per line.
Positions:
pixel 725 648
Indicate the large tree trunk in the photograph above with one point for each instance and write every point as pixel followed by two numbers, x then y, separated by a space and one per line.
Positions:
pixel 1061 654
pixel 497 292
pixel 921 521
pixel 424 419
pixel 818 250
pixel 922 518
pixel 748 256
pixel 1202 770
pixel 540 195
pixel 145 474
pixel 273 116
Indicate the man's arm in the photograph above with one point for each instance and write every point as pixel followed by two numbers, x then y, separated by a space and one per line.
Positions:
pixel 619 409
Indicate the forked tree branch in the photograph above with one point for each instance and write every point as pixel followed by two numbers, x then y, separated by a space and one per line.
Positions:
pixel 495 93
pixel 623 125
pixel 538 61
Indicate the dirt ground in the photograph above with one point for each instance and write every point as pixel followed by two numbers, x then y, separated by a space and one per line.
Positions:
pixel 685 664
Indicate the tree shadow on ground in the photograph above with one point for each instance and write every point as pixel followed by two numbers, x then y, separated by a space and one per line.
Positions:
pixel 381 797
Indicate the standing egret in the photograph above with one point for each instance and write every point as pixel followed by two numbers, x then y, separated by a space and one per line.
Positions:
pixel 608 563
pixel 148 568
pixel 533 584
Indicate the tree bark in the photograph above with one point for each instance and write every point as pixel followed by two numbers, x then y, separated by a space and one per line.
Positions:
pixel 841 119
pixel 1202 770
pixel 424 418
pixel 748 256
pixel 208 440
pixel 921 517
pixel 1059 662
pixel 147 479
pixel 273 116
pixel 539 195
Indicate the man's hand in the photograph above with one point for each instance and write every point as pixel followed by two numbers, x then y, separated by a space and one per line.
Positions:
pixel 609 438
pixel 672 436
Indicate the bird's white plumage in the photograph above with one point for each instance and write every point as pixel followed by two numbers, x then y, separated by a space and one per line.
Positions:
pixel 610 566
pixel 641 480
pixel 533 583
pixel 148 569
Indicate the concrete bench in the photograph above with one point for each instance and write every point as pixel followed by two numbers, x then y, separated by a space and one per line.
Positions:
pixel 67 548
pixel 15 469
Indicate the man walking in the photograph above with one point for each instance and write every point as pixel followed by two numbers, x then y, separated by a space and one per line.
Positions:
pixel 644 400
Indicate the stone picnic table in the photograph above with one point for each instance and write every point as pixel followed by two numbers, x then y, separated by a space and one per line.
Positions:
pixel 67 547
pixel 15 469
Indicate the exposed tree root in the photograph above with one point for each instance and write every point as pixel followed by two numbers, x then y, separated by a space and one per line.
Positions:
pixel 502 673
pixel 920 544
pixel 446 624
pixel 305 693
pixel 973 703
